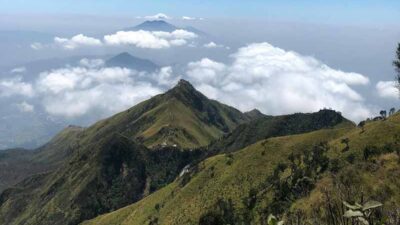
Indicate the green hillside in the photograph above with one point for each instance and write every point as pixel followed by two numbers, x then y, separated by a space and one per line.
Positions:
pixel 101 176
pixel 182 116
pixel 136 156
pixel 274 126
pixel 119 160
pixel 18 164
pixel 301 178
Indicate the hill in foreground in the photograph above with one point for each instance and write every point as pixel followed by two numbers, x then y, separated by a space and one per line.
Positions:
pixel 301 178
pixel 123 159
pixel 119 160
pixel 265 127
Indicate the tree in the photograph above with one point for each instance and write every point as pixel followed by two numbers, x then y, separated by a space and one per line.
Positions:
pixel 392 111
pixel 396 64
pixel 383 113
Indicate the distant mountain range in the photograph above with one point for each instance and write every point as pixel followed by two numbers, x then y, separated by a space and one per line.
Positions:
pixel 126 60
pixel 154 25
pixel 84 172
pixel 30 130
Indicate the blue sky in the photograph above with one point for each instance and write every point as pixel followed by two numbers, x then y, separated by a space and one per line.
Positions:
pixel 316 11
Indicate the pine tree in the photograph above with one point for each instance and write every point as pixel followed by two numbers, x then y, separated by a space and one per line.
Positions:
pixel 396 64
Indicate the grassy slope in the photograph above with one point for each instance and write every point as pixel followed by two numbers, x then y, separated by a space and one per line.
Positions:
pixel 269 126
pixel 18 164
pixel 181 116
pixel 373 179
pixel 100 176
pixel 251 167
pixel 57 196
pixel 109 168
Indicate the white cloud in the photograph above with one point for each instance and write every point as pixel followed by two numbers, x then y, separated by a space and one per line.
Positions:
pixel 89 89
pixel 158 16
pixel 77 91
pixel 18 70
pixel 260 76
pixel 387 89
pixel 176 34
pixel 15 86
pixel 178 42
pixel 25 107
pixel 91 63
pixel 148 39
pixel 104 98
pixel 140 39
pixel 279 82
pixel 77 41
pixel 61 80
pixel 188 18
pixel 205 71
pixel 36 46
pixel 164 79
pixel 212 45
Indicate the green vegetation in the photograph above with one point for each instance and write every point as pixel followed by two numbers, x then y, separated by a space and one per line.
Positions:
pixel 301 178
pixel 269 126
pixel 396 64
pixel 108 166
pixel 182 116
pixel 180 158
pixel 103 176
pixel 272 220
pixel 361 212
pixel 18 164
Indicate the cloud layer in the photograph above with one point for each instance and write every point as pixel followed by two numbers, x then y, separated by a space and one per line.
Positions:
pixel 150 39
pixel 77 41
pixel 279 82
pixel 25 107
pixel 259 76
pixel 387 89
pixel 15 86
pixel 158 16
pixel 191 18
pixel 77 91
pixel 139 39
pixel 213 45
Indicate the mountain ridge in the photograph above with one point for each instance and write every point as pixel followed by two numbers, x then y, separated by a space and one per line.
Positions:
pixel 246 186
pixel 129 61
pixel 18 164
pixel 274 126
pixel 121 159
pixel 154 25
pixel 125 158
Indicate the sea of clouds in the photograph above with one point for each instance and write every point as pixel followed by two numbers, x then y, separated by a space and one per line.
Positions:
pixel 259 75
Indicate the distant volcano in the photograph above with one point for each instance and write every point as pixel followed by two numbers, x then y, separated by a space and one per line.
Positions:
pixel 161 25
pixel 126 60
pixel 155 25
